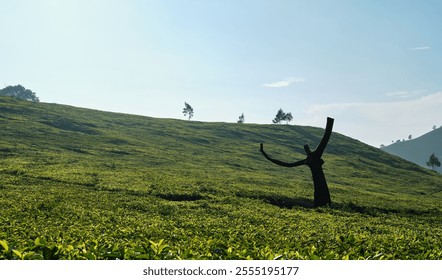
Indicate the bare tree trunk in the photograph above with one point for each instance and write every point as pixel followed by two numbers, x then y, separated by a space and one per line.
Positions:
pixel 315 162
pixel 321 193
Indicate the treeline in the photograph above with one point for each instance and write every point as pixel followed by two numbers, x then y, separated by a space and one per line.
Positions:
pixel 21 92
pixel 281 116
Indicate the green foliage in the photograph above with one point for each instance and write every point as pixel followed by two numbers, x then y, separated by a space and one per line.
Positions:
pixel 84 184
pixel 20 92
pixel 281 116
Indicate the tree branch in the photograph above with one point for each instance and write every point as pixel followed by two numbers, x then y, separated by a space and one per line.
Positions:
pixel 328 130
pixel 281 163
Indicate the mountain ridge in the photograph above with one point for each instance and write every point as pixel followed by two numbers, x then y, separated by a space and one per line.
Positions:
pixel 419 150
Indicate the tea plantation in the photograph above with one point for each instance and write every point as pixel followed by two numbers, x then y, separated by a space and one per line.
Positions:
pixel 85 184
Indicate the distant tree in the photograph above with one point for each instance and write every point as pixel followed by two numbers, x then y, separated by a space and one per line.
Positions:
pixel 241 118
pixel 20 92
pixel 288 117
pixel 382 146
pixel 433 161
pixel 410 137
pixel 434 127
pixel 188 110
pixel 279 116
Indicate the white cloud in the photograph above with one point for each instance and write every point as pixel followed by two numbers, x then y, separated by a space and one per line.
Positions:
pixel 420 48
pixel 381 122
pixel 406 94
pixel 284 83
pixel 398 94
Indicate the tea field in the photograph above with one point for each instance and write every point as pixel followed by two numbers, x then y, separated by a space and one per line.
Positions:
pixel 84 184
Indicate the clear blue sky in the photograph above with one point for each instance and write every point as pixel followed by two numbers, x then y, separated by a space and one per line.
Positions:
pixel 375 66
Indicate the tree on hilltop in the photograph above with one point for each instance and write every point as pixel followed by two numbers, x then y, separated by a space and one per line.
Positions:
pixel 20 92
pixel 241 118
pixel 188 110
pixel 281 116
pixel 288 117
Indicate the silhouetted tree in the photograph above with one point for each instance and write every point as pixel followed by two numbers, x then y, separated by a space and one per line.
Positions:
pixel 188 110
pixel 433 161
pixel 241 118
pixel 410 137
pixel 315 162
pixel 20 92
pixel 288 117
pixel 279 116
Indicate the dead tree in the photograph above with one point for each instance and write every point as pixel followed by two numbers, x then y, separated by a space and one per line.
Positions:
pixel 315 162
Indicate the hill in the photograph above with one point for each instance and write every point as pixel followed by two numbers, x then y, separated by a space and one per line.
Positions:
pixel 85 184
pixel 420 149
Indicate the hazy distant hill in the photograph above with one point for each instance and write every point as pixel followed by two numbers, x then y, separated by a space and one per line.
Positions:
pixel 419 150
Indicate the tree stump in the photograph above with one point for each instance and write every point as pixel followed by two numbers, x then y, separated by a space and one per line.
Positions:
pixel 314 162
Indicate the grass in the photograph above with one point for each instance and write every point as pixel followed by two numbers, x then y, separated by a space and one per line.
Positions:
pixel 85 184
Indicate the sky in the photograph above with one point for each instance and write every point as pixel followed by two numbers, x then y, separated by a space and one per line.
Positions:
pixel 374 66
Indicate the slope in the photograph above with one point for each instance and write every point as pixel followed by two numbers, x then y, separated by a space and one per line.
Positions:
pixel 84 184
pixel 419 150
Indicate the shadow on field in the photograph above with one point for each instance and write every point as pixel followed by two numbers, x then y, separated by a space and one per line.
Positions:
pixel 287 202
pixel 180 197
pixel 350 207
pixel 281 201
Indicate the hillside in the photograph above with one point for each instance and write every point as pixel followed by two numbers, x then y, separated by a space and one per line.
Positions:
pixel 419 150
pixel 85 184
